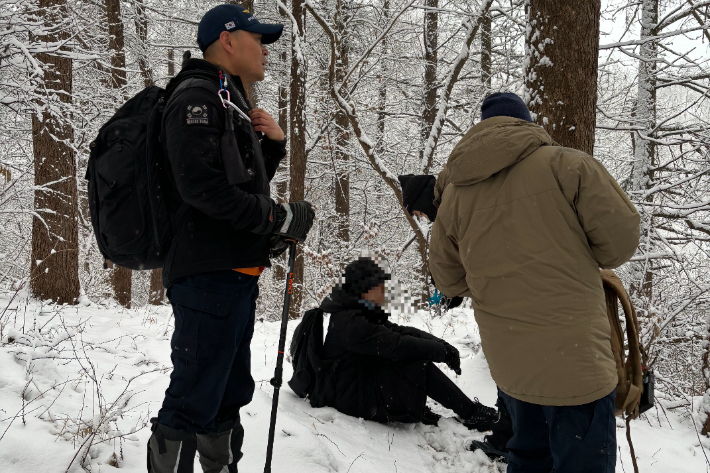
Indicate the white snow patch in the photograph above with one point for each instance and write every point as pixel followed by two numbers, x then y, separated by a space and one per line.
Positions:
pixel 47 372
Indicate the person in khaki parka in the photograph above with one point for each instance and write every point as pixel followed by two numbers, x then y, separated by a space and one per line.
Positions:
pixel 522 229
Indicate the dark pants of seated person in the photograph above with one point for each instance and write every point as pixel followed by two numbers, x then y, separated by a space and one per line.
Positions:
pixel 440 388
pixel 564 439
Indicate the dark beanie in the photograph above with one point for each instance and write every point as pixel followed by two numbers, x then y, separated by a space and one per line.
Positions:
pixel 504 104
pixel 418 194
pixel 362 275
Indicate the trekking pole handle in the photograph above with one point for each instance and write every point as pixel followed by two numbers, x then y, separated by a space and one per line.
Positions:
pixel 278 371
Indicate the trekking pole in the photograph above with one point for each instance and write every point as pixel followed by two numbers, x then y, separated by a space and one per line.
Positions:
pixel 278 372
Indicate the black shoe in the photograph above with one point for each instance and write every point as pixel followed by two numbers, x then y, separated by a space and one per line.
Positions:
pixel 482 419
pixel 501 430
pixel 429 418
pixel 490 451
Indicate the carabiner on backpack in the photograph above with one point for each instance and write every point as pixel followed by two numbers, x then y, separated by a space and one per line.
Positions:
pixel 227 102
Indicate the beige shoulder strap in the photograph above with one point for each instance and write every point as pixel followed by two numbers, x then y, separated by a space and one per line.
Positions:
pixel 631 373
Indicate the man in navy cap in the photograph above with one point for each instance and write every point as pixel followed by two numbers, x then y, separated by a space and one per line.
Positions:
pixel 222 155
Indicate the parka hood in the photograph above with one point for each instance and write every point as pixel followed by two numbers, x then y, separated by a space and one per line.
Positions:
pixel 491 146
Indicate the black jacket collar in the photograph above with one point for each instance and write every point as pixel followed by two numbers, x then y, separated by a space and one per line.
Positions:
pixel 338 301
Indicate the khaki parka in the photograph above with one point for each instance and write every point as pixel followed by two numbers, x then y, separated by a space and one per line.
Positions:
pixel 523 227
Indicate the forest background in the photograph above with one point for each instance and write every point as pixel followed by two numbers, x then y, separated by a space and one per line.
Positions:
pixel 367 90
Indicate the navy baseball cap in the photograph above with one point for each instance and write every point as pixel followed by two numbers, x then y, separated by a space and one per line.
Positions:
pixel 232 18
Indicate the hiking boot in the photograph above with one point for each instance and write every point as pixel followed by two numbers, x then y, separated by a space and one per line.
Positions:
pixel 495 444
pixel 429 417
pixel 501 430
pixel 482 418
pixel 491 451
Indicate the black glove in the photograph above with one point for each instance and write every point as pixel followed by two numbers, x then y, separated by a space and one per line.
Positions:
pixel 294 219
pixel 451 302
pixel 277 245
pixel 452 358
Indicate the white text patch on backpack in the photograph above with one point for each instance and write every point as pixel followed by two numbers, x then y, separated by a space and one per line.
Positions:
pixel 197 115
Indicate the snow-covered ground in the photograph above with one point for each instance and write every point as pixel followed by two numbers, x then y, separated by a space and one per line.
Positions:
pixel 78 386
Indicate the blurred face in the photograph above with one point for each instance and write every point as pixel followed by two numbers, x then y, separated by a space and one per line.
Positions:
pixel 376 295
pixel 242 54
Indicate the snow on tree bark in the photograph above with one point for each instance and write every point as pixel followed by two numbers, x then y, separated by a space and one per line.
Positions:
pixel 54 272
pixel 645 97
pixel 562 50
pixel 644 150
pixel 282 181
pixel 343 15
pixel 705 405
pixel 116 43
pixel 431 40
pixel 486 33
pixel 156 291
pixel 297 133
pixel 141 23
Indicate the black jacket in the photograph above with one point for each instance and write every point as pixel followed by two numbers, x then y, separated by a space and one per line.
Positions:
pixel 379 367
pixel 223 178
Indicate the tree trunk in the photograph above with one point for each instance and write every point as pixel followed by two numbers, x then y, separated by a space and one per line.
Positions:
pixel 382 105
pixel 282 184
pixel 156 292
pixel 562 49
pixel 645 149
pixel 431 40
pixel 120 278
pixel 115 43
pixel 297 137
pixel 706 379
pixel 486 53
pixel 141 22
pixel 429 110
pixel 171 62
pixel 342 129
pixel 55 257
pixel 646 98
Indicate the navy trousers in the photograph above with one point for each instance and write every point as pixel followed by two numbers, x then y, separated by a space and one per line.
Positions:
pixel 563 439
pixel 211 378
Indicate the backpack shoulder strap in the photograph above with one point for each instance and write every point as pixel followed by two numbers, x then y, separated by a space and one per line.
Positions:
pixel 632 367
pixel 190 79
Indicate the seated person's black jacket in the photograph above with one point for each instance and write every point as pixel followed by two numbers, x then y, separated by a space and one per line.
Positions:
pixel 215 233
pixel 379 367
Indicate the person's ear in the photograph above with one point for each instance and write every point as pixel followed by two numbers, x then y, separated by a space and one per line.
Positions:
pixel 225 38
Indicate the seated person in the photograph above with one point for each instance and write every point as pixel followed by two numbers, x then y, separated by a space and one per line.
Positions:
pixel 383 371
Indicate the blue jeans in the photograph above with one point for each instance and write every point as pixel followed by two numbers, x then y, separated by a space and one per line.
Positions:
pixel 211 378
pixel 563 439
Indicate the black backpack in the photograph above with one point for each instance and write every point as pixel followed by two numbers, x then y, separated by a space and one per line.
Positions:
pixel 312 377
pixel 128 177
